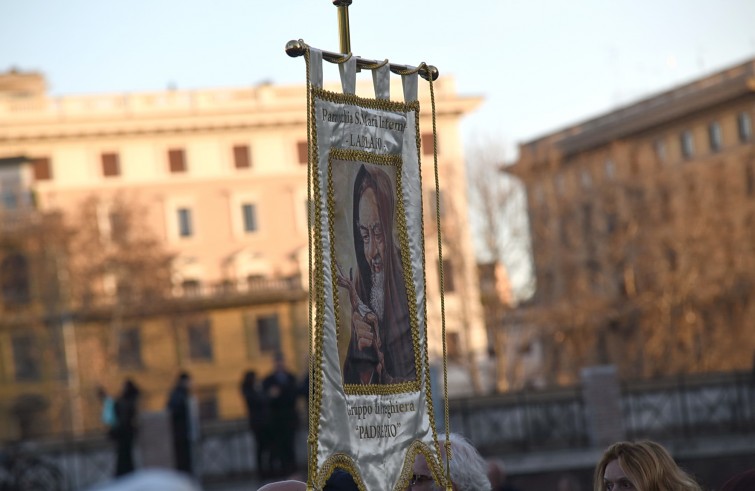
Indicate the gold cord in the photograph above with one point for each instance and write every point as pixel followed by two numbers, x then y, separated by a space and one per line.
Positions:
pixel 310 446
pixel 375 66
pixel 343 59
pixel 442 295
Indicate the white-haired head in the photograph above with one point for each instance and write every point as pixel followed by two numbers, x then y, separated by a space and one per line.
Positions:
pixel 469 471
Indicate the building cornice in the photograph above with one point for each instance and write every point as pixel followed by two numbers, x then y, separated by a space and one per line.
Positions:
pixel 651 112
pixel 176 113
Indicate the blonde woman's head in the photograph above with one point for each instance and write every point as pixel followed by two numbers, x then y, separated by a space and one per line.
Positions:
pixel 640 466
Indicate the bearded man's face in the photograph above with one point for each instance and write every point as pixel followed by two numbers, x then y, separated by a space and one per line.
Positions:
pixel 373 238
pixel 371 230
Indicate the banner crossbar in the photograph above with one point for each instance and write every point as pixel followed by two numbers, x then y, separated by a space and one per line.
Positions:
pixel 296 48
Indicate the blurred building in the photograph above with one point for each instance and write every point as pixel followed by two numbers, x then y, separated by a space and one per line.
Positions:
pixel 642 225
pixel 184 241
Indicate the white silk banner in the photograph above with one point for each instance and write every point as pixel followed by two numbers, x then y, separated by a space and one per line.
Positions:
pixel 371 400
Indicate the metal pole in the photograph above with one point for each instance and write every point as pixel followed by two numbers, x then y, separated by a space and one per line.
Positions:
pixel 297 48
pixel 344 35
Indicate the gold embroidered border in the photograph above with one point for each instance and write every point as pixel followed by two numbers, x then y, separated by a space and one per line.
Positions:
pixel 394 161
pixel 363 102
pixel 343 462
pixel 433 462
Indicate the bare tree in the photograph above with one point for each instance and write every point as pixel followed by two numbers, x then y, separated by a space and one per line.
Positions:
pixel 501 231
pixel 647 267
pixel 119 267
pixel 499 215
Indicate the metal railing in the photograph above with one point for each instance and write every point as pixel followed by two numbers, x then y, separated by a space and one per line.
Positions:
pixel 685 407
pixel 679 409
pixel 522 421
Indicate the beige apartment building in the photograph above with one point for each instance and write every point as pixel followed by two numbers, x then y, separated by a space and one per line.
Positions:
pixel 642 233
pixel 217 180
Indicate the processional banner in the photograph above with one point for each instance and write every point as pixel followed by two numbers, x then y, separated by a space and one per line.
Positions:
pixel 371 409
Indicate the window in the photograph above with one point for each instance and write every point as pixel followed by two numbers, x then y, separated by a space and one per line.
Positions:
pixel 25 359
pixel 587 221
pixel 612 222
pixel 249 212
pixel 9 194
pixel 560 184
pixel 42 169
pixel 207 404
pixel 448 276
pixel 14 279
pixel 269 333
pixel 714 136
pixel 241 157
pixel 177 160
pixel 744 127
pixel 184 223
pixel 200 340
pixel 539 194
pixel 609 168
pixel 671 258
pixel 593 269
pixel 130 348
pixel 660 150
pixel 111 165
pixel 427 144
pixel 687 144
pixel 302 149
pixel 118 225
pixel 453 346
pixel 585 178
pixel 665 198
pixel 124 290
pixel 191 287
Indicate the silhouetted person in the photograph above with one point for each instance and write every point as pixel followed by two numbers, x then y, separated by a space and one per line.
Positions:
pixel 180 408
pixel 744 481
pixel 280 390
pixel 258 414
pixel 497 476
pixel 123 431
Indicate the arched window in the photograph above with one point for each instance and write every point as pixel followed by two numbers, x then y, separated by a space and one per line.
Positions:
pixel 14 279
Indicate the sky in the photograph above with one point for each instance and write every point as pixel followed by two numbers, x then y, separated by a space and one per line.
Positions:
pixel 539 64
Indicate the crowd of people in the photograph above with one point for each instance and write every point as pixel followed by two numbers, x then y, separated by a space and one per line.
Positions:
pixel 273 418
pixel 271 408
pixel 624 466
pixel 273 421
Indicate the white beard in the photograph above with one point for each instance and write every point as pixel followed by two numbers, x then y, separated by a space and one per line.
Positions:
pixel 377 294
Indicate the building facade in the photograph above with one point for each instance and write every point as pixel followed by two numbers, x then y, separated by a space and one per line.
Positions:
pixel 641 223
pixel 203 193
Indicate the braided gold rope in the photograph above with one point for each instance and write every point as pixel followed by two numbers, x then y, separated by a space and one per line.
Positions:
pixel 344 462
pixel 442 295
pixel 311 442
pixel 375 66
pixel 424 278
pixel 411 71
pixel 320 303
pixel 355 100
pixel 343 59
pixel 417 447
